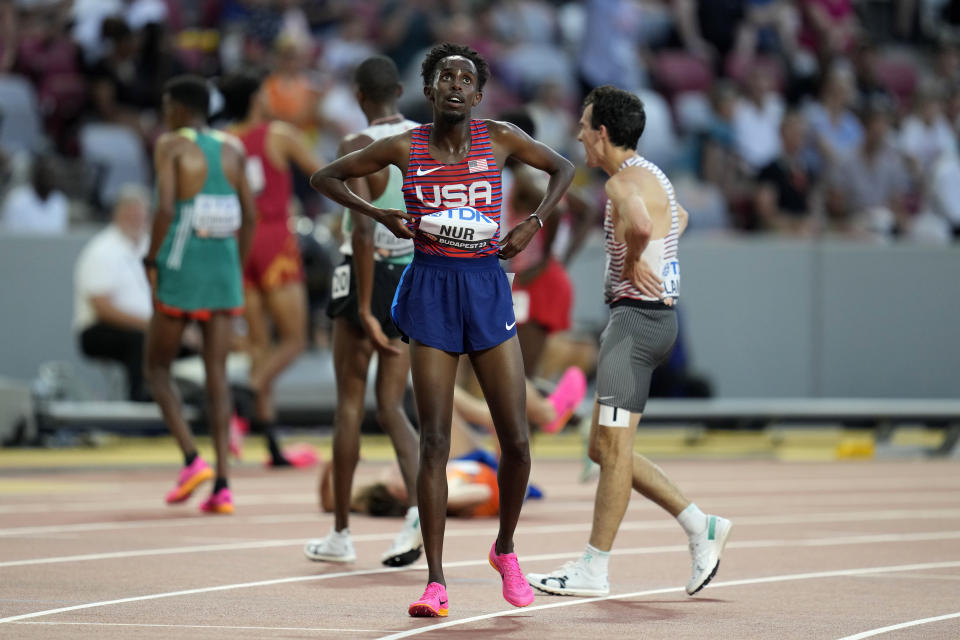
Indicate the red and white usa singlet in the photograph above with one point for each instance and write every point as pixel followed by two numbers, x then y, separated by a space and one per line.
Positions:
pixel 457 206
pixel 661 253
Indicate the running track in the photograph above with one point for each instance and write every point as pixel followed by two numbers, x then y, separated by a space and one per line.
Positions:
pixel 819 551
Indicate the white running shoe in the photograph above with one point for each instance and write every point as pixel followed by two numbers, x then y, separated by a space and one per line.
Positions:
pixel 407 546
pixel 705 550
pixel 336 547
pixel 570 580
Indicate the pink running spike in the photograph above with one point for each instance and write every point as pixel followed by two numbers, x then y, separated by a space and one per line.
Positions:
pixel 516 589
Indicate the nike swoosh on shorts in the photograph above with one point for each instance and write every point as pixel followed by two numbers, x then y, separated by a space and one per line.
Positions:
pixel 510 326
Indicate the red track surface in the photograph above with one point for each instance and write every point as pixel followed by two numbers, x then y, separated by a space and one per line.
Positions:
pixel 817 551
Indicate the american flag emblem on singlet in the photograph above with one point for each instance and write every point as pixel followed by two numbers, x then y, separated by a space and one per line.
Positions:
pixel 469 191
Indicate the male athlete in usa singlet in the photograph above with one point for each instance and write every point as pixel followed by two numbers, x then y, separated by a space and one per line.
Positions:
pixel 454 297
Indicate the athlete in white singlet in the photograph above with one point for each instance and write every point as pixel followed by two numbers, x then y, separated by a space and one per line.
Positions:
pixel 642 224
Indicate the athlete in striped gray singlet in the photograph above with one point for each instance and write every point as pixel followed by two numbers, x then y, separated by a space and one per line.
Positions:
pixel 642 224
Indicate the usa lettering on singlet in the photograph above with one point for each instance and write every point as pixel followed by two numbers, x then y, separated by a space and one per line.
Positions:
pixel 660 254
pixel 457 206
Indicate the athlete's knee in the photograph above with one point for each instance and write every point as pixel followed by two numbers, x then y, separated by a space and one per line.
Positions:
pixel 295 342
pixel 434 447
pixel 516 448
pixel 390 415
pixel 607 446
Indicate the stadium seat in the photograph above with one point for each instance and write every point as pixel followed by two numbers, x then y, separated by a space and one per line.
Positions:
pixel 118 154
pixel 20 128
pixel 676 72
pixel 898 74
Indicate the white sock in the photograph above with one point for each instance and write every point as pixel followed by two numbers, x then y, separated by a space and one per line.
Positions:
pixel 595 561
pixel 413 512
pixel 692 520
pixel 343 533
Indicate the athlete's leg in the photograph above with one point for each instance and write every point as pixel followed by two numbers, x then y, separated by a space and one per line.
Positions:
pixel 287 307
pixel 646 478
pixel 540 410
pixel 612 448
pixel 392 371
pixel 351 360
pixel 532 338
pixel 500 373
pixel 217 337
pixel 651 482
pixel 433 381
pixel 258 331
pixel 162 346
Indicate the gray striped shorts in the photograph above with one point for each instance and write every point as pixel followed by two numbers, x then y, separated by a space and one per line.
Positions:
pixel 635 342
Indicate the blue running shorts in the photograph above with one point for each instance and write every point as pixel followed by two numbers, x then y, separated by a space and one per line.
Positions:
pixel 458 305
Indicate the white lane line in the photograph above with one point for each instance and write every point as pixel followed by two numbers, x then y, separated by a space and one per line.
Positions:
pixel 771 485
pixel 902 625
pixel 198 520
pixel 651 592
pixel 838 541
pixel 487 532
pixel 144 505
pixel 206 626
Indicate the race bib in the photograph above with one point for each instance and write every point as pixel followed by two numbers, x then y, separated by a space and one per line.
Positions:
pixel 216 216
pixel 671 279
pixel 256 178
pixel 460 227
pixel 341 282
pixel 387 245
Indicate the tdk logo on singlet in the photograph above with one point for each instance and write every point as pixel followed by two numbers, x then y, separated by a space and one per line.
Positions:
pixel 460 227
pixel 457 195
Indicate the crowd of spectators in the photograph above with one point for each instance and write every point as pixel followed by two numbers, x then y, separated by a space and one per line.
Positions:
pixel 799 117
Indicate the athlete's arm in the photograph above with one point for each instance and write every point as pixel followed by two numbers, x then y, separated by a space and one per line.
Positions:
pixel 248 209
pixel 361 241
pixel 510 140
pixel 164 162
pixel 632 216
pixel 290 142
pixel 331 180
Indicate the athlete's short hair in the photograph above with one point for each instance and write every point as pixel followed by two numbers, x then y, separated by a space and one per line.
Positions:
pixel 621 112
pixel 190 91
pixel 238 90
pixel 376 500
pixel 447 49
pixel 377 78
pixel 520 118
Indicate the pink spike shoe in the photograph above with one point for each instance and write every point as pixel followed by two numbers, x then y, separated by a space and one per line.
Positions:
pixel 566 398
pixel 218 502
pixel 191 477
pixel 432 604
pixel 516 589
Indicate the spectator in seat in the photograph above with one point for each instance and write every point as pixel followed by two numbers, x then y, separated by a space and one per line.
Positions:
pixel 867 192
pixel 782 200
pixel 38 206
pixel 112 299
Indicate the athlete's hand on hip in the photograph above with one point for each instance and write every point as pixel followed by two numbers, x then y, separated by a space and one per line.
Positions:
pixel 646 280
pixel 396 221
pixel 518 238
pixel 375 332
